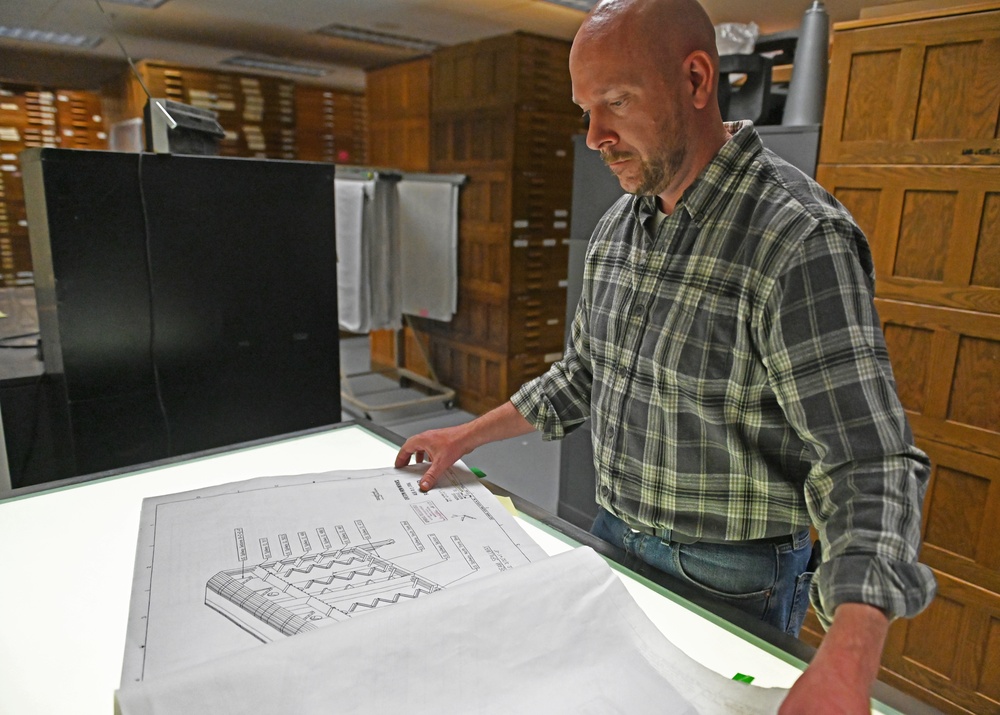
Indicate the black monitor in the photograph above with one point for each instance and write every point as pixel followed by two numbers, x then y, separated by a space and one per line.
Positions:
pixel 185 302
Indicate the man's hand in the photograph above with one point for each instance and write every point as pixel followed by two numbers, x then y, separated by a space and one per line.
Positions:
pixel 443 447
pixel 839 679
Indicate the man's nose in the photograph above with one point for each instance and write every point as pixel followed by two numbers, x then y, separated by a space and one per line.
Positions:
pixel 599 132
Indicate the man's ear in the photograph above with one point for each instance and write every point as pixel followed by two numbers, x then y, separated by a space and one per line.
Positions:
pixel 702 76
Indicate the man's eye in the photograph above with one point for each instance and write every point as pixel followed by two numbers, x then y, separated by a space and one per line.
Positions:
pixel 586 120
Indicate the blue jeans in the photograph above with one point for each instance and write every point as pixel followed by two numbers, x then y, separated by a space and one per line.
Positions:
pixel 769 581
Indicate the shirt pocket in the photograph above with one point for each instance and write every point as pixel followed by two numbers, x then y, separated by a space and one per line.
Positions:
pixel 696 346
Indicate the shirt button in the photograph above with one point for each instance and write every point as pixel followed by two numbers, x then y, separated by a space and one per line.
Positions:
pixel 639 310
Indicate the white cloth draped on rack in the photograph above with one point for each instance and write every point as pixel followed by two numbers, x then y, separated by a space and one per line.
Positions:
pixel 429 244
pixel 352 260
pixel 381 235
pixel 368 276
pixel 397 244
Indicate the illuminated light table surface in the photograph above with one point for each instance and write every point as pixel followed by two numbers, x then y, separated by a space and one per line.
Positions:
pixel 67 551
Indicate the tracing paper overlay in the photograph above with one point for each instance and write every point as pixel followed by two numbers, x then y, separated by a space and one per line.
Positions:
pixel 561 635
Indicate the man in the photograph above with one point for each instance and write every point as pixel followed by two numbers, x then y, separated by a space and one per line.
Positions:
pixel 727 351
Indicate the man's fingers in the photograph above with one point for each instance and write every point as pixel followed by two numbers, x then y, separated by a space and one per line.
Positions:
pixel 410 448
pixel 403 457
pixel 434 447
pixel 429 479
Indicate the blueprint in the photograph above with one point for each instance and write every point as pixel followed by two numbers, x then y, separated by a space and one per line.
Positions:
pixel 224 569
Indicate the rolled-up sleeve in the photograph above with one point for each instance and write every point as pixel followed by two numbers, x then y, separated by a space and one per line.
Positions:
pixel 828 366
pixel 558 401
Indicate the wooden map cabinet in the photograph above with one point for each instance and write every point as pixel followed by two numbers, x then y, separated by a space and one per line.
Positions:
pixel 501 114
pixel 911 145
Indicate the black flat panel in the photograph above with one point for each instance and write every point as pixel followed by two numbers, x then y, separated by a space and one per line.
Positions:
pixel 246 336
pixel 194 300
pixel 98 259
pixel 120 429
pixel 36 428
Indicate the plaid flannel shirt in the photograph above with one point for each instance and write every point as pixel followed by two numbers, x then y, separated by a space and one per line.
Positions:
pixel 736 376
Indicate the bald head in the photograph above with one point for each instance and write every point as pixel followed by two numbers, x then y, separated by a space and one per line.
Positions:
pixel 669 29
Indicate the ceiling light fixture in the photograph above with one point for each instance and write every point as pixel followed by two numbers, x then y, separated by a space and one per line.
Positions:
pixel 150 4
pixel 361 34
pixel 48 37
pixel 582 5
pixel 273 65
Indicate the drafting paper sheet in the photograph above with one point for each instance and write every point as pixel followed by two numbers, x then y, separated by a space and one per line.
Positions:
pixel 224 569
pixel 561 635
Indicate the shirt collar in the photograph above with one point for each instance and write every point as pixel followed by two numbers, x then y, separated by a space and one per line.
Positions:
pixel 712 184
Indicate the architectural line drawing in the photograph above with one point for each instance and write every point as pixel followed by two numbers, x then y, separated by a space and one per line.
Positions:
pixel 302 593
pixel 226 568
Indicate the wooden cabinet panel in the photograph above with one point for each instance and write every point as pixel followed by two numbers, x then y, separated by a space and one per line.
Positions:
pixel 948 653
pixel 492 139
pixel 915 92
pixel 401 91
pixel 399 143
pixel 533 322
pixel 961 511
pixel 484 257
pixel 474 75
pixel 520 70
pixel 485 200
pixel 477 375
pixel 934 230
pixel 947 366
pixel 480 141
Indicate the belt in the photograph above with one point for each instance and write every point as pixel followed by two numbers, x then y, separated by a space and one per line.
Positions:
pixel 678 538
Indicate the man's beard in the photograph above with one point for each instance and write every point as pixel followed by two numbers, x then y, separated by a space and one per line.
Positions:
pixel 654 175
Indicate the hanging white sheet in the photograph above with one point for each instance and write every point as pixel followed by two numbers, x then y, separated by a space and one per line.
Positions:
pixel 381 235
pixel 428 218
pixel 353 263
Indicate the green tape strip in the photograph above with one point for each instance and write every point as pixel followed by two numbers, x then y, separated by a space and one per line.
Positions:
pixel 743 678
pixel 478 472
